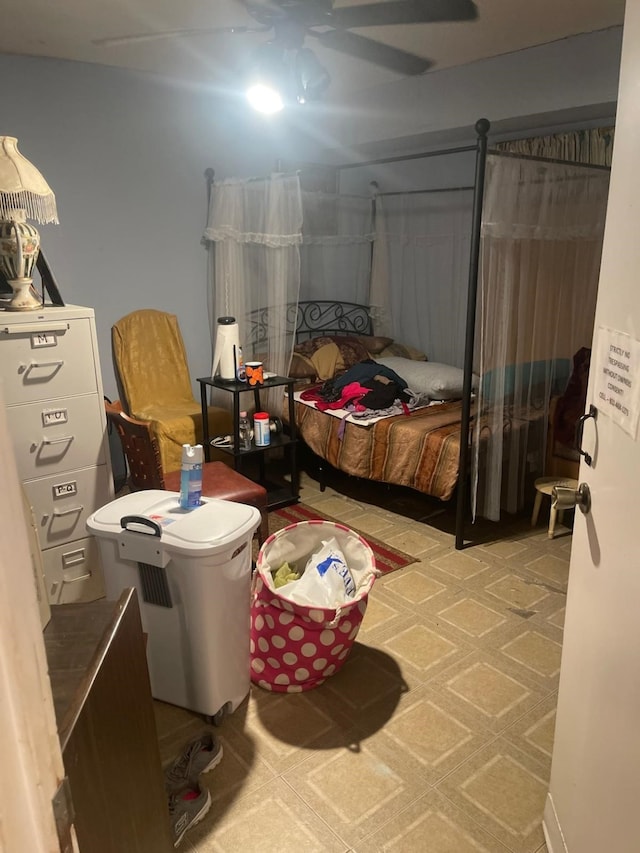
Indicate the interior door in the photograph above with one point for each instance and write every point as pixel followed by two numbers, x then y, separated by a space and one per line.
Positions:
pixel 594 793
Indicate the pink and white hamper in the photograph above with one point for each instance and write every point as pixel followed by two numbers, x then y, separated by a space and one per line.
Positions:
pixel 296 647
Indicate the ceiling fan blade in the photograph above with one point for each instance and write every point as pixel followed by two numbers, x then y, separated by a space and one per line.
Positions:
pixel 305 13
pixel 372 51
pixel 403 12
pixel 169 34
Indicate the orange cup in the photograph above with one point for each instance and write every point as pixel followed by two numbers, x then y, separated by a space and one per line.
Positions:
pixel 255 373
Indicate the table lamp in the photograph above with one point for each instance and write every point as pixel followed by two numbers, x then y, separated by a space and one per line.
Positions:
pixel 24 194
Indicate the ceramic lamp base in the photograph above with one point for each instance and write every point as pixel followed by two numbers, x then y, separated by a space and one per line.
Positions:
pixel 19 250
pixel 23 297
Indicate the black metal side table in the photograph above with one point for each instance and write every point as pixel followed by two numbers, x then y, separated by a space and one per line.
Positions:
pixel 277 495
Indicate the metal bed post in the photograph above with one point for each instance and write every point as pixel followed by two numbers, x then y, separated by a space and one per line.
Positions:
pixel 482 129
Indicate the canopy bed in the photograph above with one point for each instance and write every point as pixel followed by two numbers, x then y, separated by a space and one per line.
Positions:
pixel 536 230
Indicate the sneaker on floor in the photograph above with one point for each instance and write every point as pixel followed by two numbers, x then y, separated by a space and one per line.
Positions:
pixel 186 808
pixel 197 756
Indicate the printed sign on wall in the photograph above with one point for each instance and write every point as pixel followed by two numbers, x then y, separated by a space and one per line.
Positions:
pixel 617 386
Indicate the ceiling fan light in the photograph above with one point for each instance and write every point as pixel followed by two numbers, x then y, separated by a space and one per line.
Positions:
pixel 268 83
pixel 264 98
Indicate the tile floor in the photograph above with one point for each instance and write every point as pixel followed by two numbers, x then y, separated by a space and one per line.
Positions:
pixel 437 734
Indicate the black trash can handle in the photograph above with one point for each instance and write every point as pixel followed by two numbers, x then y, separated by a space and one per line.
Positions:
pixel 141 519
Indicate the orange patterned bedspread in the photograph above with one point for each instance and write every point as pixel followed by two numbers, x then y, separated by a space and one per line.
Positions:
pixel 419 450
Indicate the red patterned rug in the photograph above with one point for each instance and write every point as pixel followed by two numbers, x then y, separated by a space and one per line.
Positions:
pixel 388 559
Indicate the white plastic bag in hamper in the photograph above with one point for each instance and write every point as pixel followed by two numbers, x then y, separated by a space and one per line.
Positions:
pixel 326 581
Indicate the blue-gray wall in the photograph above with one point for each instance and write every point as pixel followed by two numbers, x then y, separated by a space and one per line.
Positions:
pixel 125 154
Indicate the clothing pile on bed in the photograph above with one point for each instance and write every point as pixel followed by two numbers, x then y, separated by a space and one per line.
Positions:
pixel 365 378
pixel 366 389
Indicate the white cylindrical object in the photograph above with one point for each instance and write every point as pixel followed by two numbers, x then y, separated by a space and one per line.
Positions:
pixel 261 430
pixel 227 347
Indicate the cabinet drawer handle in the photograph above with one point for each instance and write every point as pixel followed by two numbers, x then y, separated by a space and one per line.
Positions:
pixel 79 578
pixel 65 438
pixel 53 366
pixel 57 513
pixel 35 328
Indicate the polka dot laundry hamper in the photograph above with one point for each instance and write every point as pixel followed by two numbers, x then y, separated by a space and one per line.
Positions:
pixel 296 647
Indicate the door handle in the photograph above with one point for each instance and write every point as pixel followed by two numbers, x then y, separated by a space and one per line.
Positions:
pixel 592 413
pixel 565 497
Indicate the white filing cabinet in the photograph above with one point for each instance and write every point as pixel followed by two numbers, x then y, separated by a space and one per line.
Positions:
pixel 50 370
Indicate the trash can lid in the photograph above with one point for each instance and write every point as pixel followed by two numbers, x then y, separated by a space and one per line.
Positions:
pixel 205 529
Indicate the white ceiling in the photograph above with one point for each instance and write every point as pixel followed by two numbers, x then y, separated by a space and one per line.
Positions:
pixel 67 29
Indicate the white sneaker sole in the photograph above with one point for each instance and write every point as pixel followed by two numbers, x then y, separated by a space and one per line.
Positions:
pixel 205 808
pixel 217 758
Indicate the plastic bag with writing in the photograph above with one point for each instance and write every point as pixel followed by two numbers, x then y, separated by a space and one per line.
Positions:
pixel 326 581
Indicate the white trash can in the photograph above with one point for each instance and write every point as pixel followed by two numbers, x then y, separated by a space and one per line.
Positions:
pixel 192 572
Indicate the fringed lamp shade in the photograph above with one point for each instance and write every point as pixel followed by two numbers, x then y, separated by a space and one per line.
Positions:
pixel 24 194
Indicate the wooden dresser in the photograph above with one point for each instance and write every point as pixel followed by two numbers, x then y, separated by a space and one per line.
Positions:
pixel 50 369
pixel 104 710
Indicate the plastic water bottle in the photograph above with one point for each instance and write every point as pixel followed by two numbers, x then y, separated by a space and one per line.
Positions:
pixel 191 476
pixel 244 428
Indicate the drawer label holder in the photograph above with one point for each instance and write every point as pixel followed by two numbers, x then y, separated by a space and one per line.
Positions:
pixel 54 416
pixel 65 490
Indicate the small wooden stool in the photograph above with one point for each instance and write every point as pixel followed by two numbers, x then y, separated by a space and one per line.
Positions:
pixel 545 486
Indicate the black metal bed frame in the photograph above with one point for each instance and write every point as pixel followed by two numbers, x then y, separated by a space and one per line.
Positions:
pixel 482 127
pixel 311 317
pixel 339 318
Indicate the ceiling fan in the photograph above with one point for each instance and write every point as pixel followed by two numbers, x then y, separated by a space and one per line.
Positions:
pixel 292 21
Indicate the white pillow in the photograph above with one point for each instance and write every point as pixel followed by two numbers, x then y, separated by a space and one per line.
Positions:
pixel 438 381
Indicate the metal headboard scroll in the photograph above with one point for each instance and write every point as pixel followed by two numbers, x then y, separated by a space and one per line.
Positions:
pixel 312 318
pixel 332 318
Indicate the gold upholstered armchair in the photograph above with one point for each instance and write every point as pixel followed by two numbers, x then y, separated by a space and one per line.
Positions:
pixel 150 362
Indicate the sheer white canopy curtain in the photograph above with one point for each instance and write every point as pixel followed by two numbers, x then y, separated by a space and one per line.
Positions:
pixel 541 242
pixel 422 246
pixel 335 256
pixel 254 234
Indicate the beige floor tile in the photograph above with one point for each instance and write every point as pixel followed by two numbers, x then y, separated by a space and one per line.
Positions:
pixel 284 728
pixel 492 688
pixel 539 653
pixel 534 731
pixel 522 592
pixel 366 691
pixel 371 522
pixel 516 592
pixel 503 548
pixel 412 540
pixel 554 570
pixel 356 792
pixel 272 818
pixel 504 790
pixel 381 610
pixel 461 565
pixel 414 585
pixel 435 731
pixel 536 648
pixel 557 618
pixel 431 824
pixel 419 588
pixel 336 506
pixel 423 648
pixel 473 617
